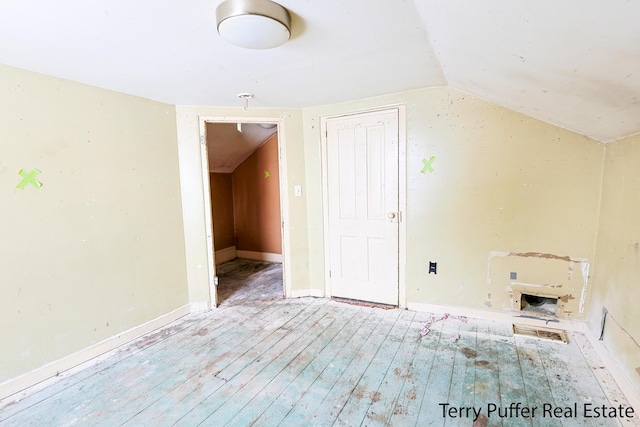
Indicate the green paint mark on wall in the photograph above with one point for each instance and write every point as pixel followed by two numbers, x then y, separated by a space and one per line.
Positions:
pixel 427 164
pixel 266 174
pixel 28 178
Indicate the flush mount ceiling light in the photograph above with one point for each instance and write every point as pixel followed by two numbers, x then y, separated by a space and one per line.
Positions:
pixel 254 24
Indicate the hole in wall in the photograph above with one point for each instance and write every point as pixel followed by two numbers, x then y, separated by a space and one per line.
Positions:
pixel 539 304
pixel 535 300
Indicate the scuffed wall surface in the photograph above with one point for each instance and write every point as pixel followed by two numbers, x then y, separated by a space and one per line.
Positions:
pixel 501 182
pixel 562 278
pixel 224 235
pixel 617 268
pixel 98 248
pixel 256 200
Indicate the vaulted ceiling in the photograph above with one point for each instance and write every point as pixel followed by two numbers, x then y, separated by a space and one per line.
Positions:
pixel 574 63
pixel 229 144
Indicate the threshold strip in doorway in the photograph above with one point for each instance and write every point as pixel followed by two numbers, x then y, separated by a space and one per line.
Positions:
pixel 364 303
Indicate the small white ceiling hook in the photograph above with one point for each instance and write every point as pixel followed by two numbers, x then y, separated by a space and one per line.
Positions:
pixel 246 97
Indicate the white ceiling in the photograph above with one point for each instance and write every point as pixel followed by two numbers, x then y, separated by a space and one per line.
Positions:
pixel 575 63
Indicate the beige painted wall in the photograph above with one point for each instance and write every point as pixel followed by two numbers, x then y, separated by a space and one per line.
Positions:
pixel 503 183
pixel 296 249
pixel 99 248
pixel 617 268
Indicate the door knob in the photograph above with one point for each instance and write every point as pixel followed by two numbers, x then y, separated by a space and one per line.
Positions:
pixel 394 216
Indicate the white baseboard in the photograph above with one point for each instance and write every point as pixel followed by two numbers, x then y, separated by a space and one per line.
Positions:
pixel 316 293
pixel 301 293
pixel 511 316
pixel 197 307
pixel 628 389
pixel 226 254
pixel 88 355
pixel 259 256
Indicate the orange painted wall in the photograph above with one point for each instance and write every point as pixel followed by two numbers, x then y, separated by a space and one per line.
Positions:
pixel 224 235
pixel 256 200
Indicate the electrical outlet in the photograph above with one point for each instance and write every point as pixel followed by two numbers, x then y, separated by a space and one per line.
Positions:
pixel 297 190
pixel 433 267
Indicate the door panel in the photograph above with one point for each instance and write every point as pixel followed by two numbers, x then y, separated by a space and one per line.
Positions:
pixel 362 177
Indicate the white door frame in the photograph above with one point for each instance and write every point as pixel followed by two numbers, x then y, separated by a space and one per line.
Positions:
pixel 284 198
pixel 402 195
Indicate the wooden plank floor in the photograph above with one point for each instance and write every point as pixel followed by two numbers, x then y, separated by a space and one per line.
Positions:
pixel 262 360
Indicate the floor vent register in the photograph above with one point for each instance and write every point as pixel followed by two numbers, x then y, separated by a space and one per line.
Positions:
pixel 541 333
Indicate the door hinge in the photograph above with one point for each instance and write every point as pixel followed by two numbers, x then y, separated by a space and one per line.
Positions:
pixel 215 280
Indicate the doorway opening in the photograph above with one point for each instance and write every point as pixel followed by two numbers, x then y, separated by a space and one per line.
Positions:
pixel 241 160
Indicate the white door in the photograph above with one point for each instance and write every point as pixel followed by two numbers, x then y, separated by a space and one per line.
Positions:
pixel 362 195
